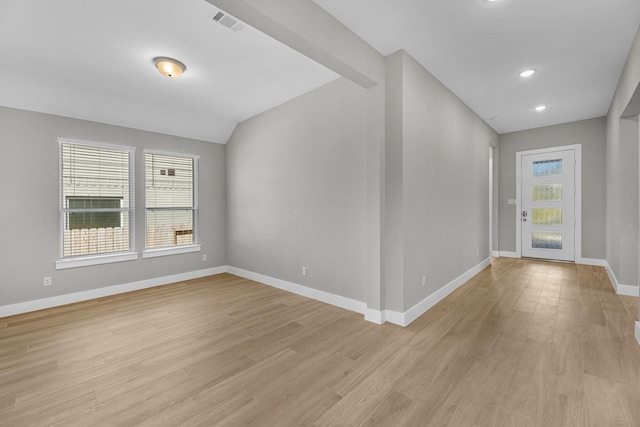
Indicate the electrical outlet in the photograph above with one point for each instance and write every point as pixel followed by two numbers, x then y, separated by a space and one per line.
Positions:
pixel 47 281
pixel 424 281
pixel 304 271
pixel 477 252
pixel 204 257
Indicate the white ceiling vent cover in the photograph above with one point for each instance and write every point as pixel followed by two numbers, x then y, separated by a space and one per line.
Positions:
pixel 227 20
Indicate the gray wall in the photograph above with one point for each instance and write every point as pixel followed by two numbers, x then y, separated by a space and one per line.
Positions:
pixel 319 200
pixel 627 273
pixel 394 208
pixel 446 184
pixel 437 184
pixel 297 188
pixel 621 146
pixel 29 188
pixel 495 219
pixel 309 29
pixel 297 181
pixel 591 134
pixel 613 196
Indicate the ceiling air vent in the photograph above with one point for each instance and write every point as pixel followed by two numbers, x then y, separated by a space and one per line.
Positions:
pixel 228 21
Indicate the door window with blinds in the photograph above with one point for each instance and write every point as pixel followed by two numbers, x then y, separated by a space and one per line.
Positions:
pixel 96 199
pixel 171 182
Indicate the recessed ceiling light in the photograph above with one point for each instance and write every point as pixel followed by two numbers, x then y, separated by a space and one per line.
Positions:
pixel 540 108
pixel 169 67
pixel 527 73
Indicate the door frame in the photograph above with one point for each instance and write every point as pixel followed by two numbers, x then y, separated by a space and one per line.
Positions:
pixel 578 195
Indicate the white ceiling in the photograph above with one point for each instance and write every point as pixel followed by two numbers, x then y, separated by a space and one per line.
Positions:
pixel 93 60
pixel 476 48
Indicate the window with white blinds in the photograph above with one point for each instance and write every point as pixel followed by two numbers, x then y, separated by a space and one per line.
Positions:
pixel 171 182
pixel 96 199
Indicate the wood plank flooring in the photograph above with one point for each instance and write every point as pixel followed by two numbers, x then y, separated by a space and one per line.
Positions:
pixel 523 343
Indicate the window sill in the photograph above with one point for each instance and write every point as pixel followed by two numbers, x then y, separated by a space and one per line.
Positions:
pixel 174 250
pixel 84 261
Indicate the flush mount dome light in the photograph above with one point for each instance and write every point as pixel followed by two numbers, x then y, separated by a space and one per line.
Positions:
pixel 540 108
pixel 527 73
pixel 169 67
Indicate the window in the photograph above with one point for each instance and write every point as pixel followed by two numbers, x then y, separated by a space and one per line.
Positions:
pixel 96 200
pixel 171 203
pixel 547 168
pixel 95 218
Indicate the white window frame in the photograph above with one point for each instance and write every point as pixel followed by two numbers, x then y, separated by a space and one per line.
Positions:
pixel 181 249
pixel 103 258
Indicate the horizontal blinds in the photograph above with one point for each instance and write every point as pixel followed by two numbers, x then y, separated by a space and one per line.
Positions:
pixel 169 181
pixel 96 199
pixel 89 171
pixel 171 200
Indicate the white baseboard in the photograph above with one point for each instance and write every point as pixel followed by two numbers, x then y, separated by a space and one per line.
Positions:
pixel 621 289
pixel 374 316
pixel 612 277
pixel 585 261
pixel 40 304
pixel 638 332
pixel 404 319
pixel 395 317
pixel 329 298
pixel 592 261
pixel 627 290
pixel 506 254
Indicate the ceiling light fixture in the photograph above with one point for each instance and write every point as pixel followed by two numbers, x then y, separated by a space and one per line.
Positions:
pixel 169 67
pixel 527 73
pixel 540 108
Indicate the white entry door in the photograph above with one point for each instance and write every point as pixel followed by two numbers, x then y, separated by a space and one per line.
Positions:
pixel 548 208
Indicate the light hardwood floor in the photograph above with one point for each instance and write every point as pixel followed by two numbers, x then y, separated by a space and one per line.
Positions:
pixel 523 343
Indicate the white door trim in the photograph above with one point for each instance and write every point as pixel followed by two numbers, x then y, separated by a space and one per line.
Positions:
pixel 578 198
